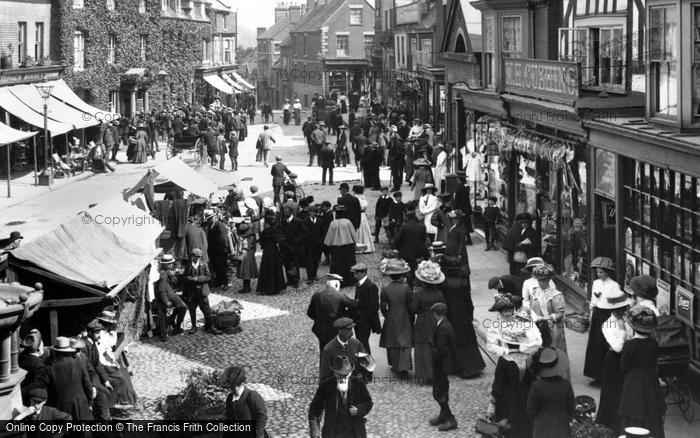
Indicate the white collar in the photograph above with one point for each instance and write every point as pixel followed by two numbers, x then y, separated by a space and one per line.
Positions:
pixel 362 280
pixel 289 219
pixel 343 344
pixel 196 264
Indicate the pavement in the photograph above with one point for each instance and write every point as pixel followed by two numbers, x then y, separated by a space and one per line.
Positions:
pixel 276 344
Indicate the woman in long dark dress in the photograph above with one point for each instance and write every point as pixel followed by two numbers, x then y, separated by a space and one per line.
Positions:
pixel 460 312
pixel 425 294
pixel 271 276
pixel 641 401
pixel 341 240
pixel 603 288
pixel 457 237
pixel 550 403
pixel 615 332
pixel 513 340
pixel 397 331
pixel 249 267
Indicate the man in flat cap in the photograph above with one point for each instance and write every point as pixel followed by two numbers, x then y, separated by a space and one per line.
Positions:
pixel 326 306
pixel 39 411
pixel 104 398
pixel 343 344
pixel 443 356
pixel 166 297
pixel 367 311
pixel 196 280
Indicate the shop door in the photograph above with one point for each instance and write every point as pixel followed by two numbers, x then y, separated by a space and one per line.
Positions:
pixel 604 235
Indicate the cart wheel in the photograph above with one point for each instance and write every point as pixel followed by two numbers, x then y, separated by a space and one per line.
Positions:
pixel 685 400
pixel 170 149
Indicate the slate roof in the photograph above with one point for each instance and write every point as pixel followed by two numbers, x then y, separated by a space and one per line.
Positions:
pixel 277 31
pixel 316 17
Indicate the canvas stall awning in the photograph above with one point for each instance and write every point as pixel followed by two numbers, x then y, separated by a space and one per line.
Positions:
pixel 63 92
pixel 240 80
pixel 218 83
pixel 10 103
pixel 11 135
pixel 237 88
pixel 176 172
pixel 127 221
pixel 55 109
pixel 87 252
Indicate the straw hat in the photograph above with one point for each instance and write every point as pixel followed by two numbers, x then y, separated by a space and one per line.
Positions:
pixel 395 267
pixel 108 316
pixel 430 273
pixel 603 263
pixel 616 301
pixel 62 345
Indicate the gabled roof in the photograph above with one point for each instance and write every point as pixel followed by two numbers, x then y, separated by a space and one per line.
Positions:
pixel 317 16
pixel 277 31
pixel 463 9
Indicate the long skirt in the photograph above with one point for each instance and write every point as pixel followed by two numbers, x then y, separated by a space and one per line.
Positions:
pixel 460 312
pixel 249 267
pixel 424 361
pixel 364 235
pixel 399 359
pixel 342 259
pixel 140 153
pixel 271 281
pixel 123 387
pixel 597 345
pixel 610 390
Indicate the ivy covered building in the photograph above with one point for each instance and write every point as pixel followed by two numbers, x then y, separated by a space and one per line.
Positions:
pixel 134 55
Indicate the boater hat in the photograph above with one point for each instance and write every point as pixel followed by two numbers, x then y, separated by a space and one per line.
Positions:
pixel 108 316
pixel 62 345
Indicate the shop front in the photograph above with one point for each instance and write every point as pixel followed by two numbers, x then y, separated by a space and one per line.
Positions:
pixel 646 195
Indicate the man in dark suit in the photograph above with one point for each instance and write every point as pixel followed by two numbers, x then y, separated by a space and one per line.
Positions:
pixel 352 205
pixel 210 140
pixel 381 211
pixel 219 249
pixel 69 387
pixel 277 171
pixel 314 243
pixel 397 213
pixel 367 311
pixel 443 355
pixel 166 297
pixel 345 402
pixel 411 243
pixel 295 233
pixel 104 399
pixel 196 288
pixel 30 360
pixel 463 203
pixel 341 345
pixel 325 307
pixel 326 156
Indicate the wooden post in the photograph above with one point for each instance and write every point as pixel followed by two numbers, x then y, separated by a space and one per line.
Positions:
pixel 36 171
pixel 9 176
pixel 53 324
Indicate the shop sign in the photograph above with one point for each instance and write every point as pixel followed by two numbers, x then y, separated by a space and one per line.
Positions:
pixel 684 305
pixel 408 14
pixel 551 80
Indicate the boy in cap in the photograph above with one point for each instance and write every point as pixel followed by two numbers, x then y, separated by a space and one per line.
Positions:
pixel 38 411
pixel 343 344
pixel 443 356
pixel 492 216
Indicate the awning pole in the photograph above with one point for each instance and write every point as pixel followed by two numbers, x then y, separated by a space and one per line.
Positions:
pixel 9 177
pixel 36 176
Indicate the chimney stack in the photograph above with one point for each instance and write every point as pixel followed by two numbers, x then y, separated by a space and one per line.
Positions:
pixel 280 13
pixel 261 30
pixel 294 13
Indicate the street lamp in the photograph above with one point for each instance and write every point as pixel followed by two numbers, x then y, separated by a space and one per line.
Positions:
pixel 46 177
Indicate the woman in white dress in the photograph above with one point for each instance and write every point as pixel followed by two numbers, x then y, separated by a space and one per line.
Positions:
pixel 365 241
pixel 427 205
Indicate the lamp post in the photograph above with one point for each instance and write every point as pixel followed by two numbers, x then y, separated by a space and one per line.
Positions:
pixel 46 177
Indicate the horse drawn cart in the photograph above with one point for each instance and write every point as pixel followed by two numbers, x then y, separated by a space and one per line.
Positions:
pixel 182 144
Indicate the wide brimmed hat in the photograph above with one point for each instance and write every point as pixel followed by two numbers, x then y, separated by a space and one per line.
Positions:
pixel 502 302
pixel 421 162
pixel 429 186
pixel 642 319
pixel 62 345
pixel 543 272
pixel 644 286
pixel 167 259
pixel 77 343
pixel 430 273
pixel 341 365
pixel 553 362
pixel 603 263
pixel 395 267
pixel 616 301
pixel 513 336
pixel 108 316
pixel 438 245
pixel 532 262
pixel 208 213
pixel 231 375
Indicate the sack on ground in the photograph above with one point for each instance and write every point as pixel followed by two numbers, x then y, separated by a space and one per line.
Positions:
pixel 227 316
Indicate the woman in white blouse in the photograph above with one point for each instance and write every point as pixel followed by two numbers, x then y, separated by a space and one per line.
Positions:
pixel 603 288
pixel 615 332
pixel 427 204
pixel 645 292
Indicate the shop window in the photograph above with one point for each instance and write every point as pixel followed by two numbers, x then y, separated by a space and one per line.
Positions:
pixel 663 57
pixel 661 226
pixel 512 36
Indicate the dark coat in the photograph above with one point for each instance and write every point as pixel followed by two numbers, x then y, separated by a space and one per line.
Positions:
pixel 492 215
pixel 277 171
pixel 397 211
pixel 353 210
pixel 512 284
pixel 52 414
pixel 326 400
pixel 410 242
pixel 367 312
pixel 316 232
pixel 70 388
pixel 382 208
pixel 334 349
pixel 197 280
pixel 423 300
pixel 93 356
pixel 217 238
pixel 456 242
pixel 326 220
pixel 444 347
pixel 463 201
pixel 295 233
pixel 550 405
pixel 196 237
pixel 36 373
pixel 327 156
pixel 325 307
pixel 249 406
pixel 532 248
